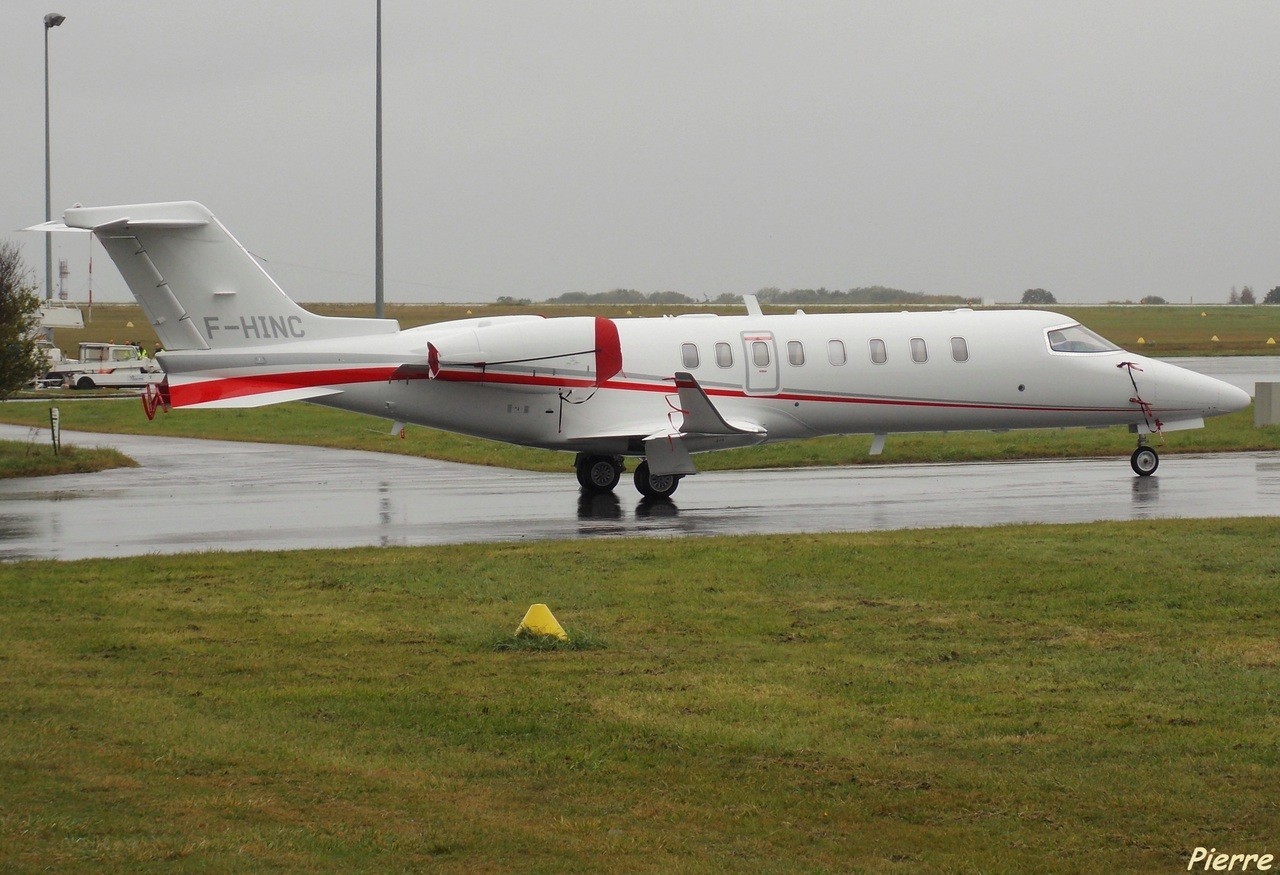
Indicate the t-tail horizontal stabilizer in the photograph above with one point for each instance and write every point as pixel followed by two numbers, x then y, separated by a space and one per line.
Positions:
pixel 199 288
pixel 212 393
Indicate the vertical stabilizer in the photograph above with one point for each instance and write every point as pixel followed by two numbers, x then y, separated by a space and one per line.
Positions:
pixel 198 286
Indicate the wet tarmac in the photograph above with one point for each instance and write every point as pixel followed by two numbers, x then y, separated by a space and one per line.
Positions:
pixel 192 495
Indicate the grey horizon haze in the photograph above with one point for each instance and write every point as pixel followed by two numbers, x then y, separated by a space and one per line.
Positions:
pixel 1101 150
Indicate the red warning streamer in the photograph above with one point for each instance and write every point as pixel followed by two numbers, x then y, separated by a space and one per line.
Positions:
pixel 1148 412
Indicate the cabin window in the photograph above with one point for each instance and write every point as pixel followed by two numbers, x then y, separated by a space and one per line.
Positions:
pixel 959 349
pixel 795 352
pixel 1077 338
pixel 835 352
pixel 919 352
pixel 760 353
pixel 689 354
pixel 724 355
pixel 878 352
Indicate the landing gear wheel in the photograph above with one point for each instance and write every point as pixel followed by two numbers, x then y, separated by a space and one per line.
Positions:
pixel 655 485
pixel 1144 461
pixel 598 473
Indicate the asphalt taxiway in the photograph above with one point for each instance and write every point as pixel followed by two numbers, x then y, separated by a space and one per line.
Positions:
pixel 193 495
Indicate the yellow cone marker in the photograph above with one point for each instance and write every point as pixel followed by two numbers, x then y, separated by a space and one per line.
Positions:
pixel 1141 341
pixel 539 621
pixel 1214 338
pixel 1202 313
pixel 1271 341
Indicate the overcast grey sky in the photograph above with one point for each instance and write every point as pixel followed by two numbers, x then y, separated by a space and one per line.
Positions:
pixel 1101 150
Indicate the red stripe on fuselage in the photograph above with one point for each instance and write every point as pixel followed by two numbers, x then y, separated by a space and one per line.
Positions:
pixel 237 387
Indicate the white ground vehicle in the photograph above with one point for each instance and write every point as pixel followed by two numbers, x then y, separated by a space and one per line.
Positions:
pixel 106 364
pixel 53 356
pixel 53 314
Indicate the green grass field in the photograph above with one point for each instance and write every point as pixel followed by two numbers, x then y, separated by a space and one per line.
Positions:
pixel 1069 698
pixel 37 459
pixel 1065 698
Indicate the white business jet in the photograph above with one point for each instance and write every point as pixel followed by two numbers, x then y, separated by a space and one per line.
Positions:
pixel 658 389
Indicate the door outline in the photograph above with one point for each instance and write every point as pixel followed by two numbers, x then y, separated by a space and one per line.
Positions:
pixel 760 380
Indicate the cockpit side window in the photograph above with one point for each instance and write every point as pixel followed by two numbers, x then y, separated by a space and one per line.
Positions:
pixel 1077 338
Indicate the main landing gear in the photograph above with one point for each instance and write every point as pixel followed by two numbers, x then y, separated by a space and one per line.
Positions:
pixel 598 473
pixel 1144 460
pixel 601 474
pixel 655 485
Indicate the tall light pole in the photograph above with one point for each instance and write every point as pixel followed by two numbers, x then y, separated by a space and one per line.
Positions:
pixel 377 208
pixel 52 19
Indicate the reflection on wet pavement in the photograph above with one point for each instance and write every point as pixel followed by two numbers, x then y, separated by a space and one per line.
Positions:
pixel 212 495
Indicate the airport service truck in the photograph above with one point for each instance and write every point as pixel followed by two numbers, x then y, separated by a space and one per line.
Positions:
pixel 106 365
pixel 53 356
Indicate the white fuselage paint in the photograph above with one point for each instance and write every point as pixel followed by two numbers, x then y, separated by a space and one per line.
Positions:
pixel 1010 378
pixel 658 388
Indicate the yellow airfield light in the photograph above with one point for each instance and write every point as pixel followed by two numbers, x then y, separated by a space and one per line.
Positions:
pixel 538 620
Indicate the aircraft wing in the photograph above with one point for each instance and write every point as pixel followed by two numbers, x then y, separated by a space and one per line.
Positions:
pixel 700 427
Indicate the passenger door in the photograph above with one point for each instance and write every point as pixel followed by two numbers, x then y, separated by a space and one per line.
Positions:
pixel 760 356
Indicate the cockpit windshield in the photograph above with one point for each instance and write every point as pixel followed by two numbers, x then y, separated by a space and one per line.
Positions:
pixel 1077 338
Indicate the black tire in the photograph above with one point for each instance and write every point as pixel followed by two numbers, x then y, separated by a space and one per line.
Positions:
pixel 85 383
pixel 598 473
pixel 1144 461
pixel 650 486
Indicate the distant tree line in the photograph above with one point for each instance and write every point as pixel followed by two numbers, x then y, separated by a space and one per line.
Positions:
pixel 1243 296
pixel 1246 296
pixel 857 295
pixel 860 295
pixel 1039 297
pixel 621 296
pixel 771 295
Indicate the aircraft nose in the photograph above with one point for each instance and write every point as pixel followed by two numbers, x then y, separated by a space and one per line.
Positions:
pixel 1217 397
pixel 1233 398
pixel 1181 389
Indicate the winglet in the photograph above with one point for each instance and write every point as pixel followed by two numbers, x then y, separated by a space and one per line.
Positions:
pixel 701 416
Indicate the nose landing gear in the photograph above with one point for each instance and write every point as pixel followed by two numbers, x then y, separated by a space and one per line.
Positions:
pixel 1144 460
